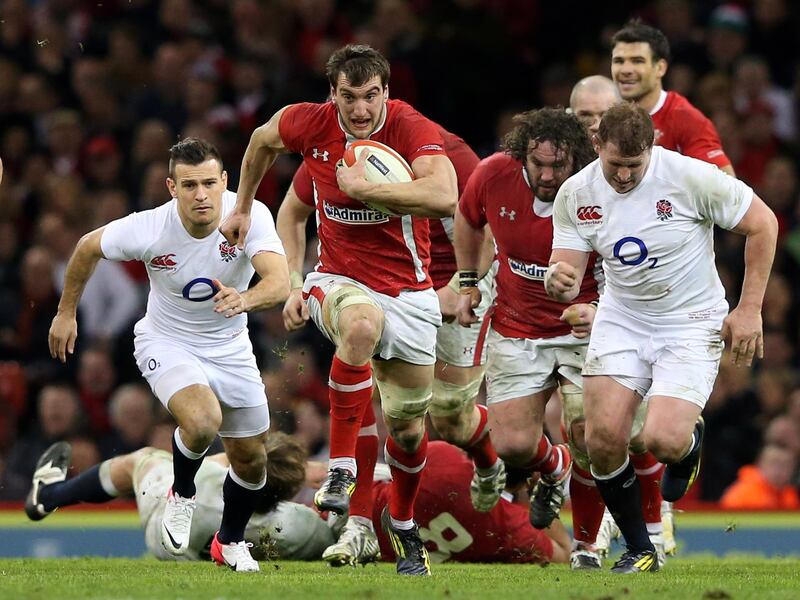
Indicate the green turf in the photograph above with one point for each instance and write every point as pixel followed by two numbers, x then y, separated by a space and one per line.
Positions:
pixel 700 578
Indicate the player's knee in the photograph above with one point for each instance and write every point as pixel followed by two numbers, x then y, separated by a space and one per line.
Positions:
pixel 666 447
pixel 407 434
pixel 201 427
pixel 359 337
pixel 251 468
pixel 516 447
pixel 602 441
pixel 454 428
pixel 576 439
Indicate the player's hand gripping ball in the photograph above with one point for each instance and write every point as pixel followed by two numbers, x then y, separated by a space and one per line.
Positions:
pixel 382 164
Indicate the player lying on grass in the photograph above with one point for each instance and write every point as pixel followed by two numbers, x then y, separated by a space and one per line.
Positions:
pixel 450 526
pixel 293 531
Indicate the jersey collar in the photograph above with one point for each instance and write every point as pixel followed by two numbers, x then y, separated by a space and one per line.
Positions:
pixel 662 97
pixel 349 138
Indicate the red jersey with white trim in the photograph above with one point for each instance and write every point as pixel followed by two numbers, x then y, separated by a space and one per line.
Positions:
pixel 681 127
pixel 498 193
pixel 387 254
pixel 452 529
pixel 443 256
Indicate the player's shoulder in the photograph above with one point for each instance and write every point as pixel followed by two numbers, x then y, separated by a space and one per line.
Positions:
pixel 399 109
pixel 583 179
pixel 498 165
pixel 306 117
pixel 155 219
pixel 677 170
pixel 679 109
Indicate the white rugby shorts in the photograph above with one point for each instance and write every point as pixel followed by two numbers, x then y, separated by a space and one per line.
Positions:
pixel 410 319
pixel 230 371
pixel 517 367
pixel 670 355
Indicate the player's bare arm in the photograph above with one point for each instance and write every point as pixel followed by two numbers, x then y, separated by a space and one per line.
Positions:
pixel 433 193
pixel 470 247
pixel 64 329
pixel 291 227
pixel 271 290
pixel 743 327
pixel 263 149
pixel 562 281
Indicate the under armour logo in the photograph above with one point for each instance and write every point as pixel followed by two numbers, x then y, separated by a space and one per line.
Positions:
pixel 317 154
pixel 507 213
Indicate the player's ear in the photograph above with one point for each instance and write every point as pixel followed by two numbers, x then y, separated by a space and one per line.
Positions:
pixel 661 67
pixel 596 143
pixel 333 95
pixel 171 187
pixel 385 93
pixel 225 179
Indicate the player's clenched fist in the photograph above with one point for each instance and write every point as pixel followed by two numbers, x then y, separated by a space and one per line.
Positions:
pixel 295 311
pixel 62 336
pixel 580 317
pixel 560 279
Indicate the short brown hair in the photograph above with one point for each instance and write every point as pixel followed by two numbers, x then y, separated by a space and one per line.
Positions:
pixel 635 32
pixel 286 471
pixel 359 63
pixel 192 151
pixel 554 125
pixel 629 127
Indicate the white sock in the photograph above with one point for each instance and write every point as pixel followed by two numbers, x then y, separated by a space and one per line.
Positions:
pixel 344 462
pixel 402 525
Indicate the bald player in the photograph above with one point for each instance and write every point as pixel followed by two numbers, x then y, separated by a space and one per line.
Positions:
pixel 590 98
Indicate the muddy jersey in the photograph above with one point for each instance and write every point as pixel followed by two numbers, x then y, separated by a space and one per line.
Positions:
pixel 386 253
pixel 656 240
pixel 498 193
pixel 681 127
pixel 452 529
pixel 443 257
pixel 181 269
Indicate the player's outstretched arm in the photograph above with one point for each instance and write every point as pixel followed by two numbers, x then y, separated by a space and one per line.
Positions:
pixel 562 281
pixel 264 147
pixel 433 193
pixel 81 265
pixel 291 227
pixel 743 326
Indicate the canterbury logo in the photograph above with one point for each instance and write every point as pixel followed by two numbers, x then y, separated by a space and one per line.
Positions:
pixel 163 262
pixel 589 213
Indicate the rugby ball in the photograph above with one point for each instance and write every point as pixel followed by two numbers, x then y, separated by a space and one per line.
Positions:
pixel 383 165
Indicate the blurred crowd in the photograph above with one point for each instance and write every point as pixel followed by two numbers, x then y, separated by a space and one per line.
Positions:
pixel 92 95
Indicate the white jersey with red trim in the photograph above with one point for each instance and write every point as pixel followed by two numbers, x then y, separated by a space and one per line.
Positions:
pixel 656 240
pixel 181 269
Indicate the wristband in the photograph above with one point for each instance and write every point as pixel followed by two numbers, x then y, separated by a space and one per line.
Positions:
pixel 595 303
pixel 295 279
pixel 467 279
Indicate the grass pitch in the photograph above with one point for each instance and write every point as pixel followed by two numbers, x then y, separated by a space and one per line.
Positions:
pixel 699 578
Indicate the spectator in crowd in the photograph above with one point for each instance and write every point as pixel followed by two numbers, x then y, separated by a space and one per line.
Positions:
pixel 766 485
pixel 131 411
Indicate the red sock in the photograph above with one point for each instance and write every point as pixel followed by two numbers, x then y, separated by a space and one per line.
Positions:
pixel 649 471
pixel 549 459
pixel 366 456
pixel 349 391
pixel 587 506
pixel 479 447
pixel 406 474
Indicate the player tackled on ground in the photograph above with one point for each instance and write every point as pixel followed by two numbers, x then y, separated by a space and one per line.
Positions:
pixel 658 333
pixel 192 345
pixel 370 293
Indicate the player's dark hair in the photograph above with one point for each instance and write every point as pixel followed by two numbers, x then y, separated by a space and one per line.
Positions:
pixel 359 63
pixel 192 151
pixel 629 127
pixel 635 31
pixel 286 471
pixel 554 125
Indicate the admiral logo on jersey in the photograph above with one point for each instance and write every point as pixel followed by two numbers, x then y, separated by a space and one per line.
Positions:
pixel 589 215
pixel 354 216
pixel 163 262
pixel 227 252
pixel 527 270
pixel 664 210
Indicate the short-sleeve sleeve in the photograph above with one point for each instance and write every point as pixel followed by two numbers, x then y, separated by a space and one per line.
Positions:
pixel 471 204
pixel 129 237
pixel 301 182
pixel 292 126
pixel 419 136
pixel 699 139
pixel 262 236
pixel 722 199
pixel 565 231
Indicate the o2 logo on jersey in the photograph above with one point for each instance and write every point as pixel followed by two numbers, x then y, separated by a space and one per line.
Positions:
pixel 199 289
pixel 624 245
pixel 664 210
pixel 589 215
pixel 227 252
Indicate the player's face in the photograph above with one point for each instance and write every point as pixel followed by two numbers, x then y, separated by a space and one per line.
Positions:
pixel 590 107
pixel 199 189
pixel 634 71
pixel 361 108
pixel 548 167
pixel 623 173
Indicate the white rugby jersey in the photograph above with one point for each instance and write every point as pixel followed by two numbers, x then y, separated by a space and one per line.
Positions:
pixel 181 268
pixel 296 531
pixel 656 240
